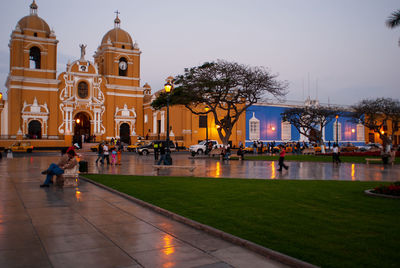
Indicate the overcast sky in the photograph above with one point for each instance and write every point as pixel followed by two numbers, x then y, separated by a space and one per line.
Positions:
pixel 342 47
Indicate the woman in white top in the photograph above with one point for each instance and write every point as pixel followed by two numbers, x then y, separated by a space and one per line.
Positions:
pixel 335 155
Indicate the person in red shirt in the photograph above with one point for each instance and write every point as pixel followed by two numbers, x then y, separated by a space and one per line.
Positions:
pixel 282 153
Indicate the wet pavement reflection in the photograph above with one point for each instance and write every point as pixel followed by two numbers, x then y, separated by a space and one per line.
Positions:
pixel 88 226
pixel 213 167
pixel 133 164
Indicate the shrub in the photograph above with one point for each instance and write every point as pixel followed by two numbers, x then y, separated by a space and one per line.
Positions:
pixel 392 189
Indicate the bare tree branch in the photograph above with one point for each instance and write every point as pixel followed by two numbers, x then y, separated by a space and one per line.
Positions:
pixel 226 88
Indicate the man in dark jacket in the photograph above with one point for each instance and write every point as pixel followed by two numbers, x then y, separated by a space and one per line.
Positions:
pixel 100 153
pixel 162 153
pixel 156 147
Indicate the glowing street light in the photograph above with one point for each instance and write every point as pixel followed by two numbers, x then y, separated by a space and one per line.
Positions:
pixel 168 87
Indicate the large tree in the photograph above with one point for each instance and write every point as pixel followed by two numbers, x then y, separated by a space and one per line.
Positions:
pixel 311 119
pixel 376 114
pixel 394 20
pixel 224 89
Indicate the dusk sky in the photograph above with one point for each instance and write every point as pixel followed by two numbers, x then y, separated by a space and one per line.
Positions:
pixel 343 46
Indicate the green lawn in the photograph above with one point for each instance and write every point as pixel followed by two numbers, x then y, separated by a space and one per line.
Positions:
pixel 326 223
pixel 314 158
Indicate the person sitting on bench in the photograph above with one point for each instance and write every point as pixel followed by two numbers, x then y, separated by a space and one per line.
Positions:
pixel 66 161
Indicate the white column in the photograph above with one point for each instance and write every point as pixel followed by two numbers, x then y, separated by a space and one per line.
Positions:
pixel 154 123
pixel 162 122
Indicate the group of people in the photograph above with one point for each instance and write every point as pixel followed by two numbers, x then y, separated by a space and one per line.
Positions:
pixel 103 153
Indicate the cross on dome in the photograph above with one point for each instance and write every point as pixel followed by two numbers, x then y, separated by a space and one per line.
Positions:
pixel 34 8
pixel 117 21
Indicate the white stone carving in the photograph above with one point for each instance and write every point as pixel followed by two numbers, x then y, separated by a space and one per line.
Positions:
pixel 34 111
pixel 125 115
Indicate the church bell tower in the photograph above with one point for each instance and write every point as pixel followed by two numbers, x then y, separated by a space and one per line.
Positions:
pixel 31 83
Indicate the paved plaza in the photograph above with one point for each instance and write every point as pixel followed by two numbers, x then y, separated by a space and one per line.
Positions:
pixel 92 227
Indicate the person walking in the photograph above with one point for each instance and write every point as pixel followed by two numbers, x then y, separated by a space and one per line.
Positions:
pixel 106 154
pixel 335 154
pixel 100 152
pixel 282 153
pixel 114 156
pixel 162 153
pixel 119 153
pixel 156 148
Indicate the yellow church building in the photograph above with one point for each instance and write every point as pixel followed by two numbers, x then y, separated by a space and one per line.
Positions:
pixel 100 98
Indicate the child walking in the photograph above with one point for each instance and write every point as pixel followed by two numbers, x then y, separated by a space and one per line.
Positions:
pixel 119 155
pixel 114 156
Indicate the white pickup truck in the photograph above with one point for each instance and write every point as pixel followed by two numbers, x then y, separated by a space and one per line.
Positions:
pixel 201 147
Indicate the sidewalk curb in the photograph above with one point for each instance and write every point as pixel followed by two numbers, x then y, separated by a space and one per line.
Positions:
pixel 266 252
pixel 371 193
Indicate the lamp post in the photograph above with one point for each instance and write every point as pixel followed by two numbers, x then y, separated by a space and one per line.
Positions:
pixel 337 130
pixel 168 88
pixel 207 109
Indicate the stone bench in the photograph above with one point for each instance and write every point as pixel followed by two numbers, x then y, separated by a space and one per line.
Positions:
pixel 70 178
pixel 373 160
pixel 158 167
pixel 391 160
pixel 308 151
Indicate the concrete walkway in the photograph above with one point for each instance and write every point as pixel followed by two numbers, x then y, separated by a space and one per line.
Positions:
pixel 92 227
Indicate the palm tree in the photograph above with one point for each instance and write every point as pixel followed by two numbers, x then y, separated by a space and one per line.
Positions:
pixel 394 20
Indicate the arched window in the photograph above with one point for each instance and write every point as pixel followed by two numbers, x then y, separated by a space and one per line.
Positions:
pixel 123 67
pixel 254 127
pixel 34 58
pixel 35 129
pixel 83 91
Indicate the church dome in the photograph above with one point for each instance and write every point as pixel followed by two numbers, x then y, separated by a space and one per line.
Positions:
pixel 117 36
pixel 34 23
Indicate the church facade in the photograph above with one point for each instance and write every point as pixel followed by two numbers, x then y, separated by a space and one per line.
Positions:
pixel 101 98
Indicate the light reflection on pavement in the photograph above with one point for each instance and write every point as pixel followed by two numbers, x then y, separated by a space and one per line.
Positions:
pixel 133 164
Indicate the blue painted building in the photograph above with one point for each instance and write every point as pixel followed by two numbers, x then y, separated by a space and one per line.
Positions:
pixel 264 123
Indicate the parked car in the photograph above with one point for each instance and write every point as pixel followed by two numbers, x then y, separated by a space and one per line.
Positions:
pixel 370 147
pixel 202 146
pixel 148 148
pixel 133 147
pixel 348 147
pixel 25 147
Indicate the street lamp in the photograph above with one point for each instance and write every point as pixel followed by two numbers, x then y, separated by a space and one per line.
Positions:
pixel 207 109
pixel 337 130
pixel 168 88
